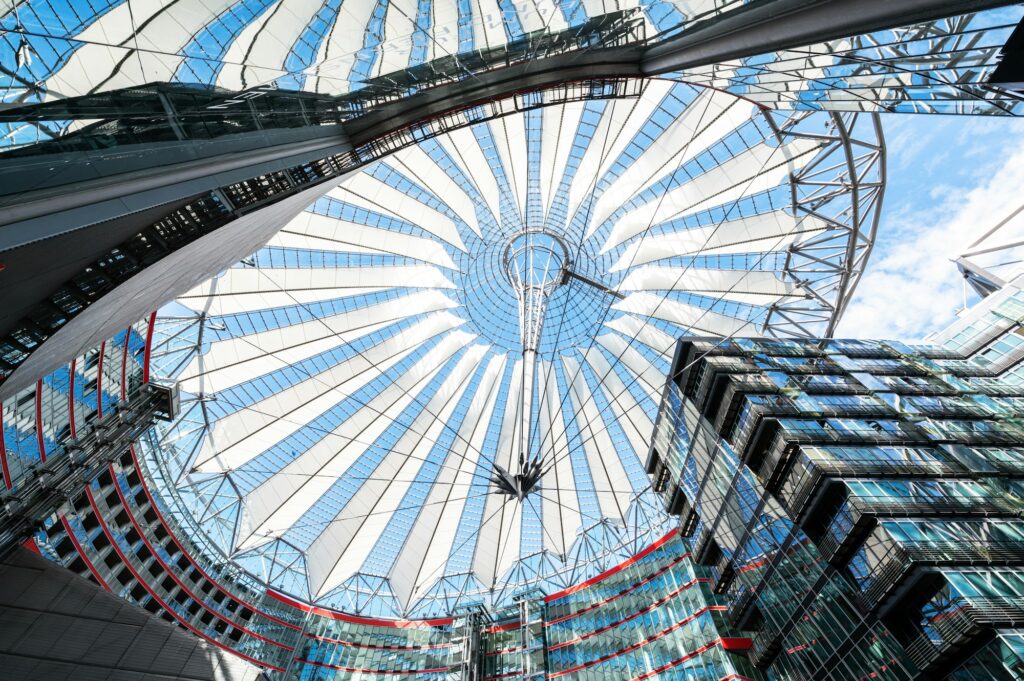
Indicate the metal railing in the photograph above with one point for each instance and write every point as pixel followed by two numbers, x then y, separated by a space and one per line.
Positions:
pixel 82 460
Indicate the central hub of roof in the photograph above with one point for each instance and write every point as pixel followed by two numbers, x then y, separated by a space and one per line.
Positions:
pixel 536 263
pixel 535 260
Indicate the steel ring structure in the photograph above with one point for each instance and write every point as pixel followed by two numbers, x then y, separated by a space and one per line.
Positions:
pixel 481 340
pixel 350 389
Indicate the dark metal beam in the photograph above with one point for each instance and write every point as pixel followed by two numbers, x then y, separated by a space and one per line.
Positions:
pixel 771 25
pixel 118 189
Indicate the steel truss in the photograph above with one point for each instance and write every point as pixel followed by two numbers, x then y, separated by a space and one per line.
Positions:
pixel 842 186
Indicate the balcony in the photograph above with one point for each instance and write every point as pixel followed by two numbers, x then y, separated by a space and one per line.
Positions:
pixel 904 558
pixel 952 631
pixel 857 515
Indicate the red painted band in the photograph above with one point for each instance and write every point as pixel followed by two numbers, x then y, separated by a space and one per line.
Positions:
pixel 173 575
pixel 99 381
pixel 632 616
pixel 615 570
pixel 124 364
pixel 71 400
pixel 3 452
pixel 31 545
pixel 629 589
pixel 356 670
pixel 358 619
pixel 85 558
pixel 149 590
pixel 679 661
pixel 149 348
pixel 640 644
pixel 160 517
pixel 39 420
pixel 737 643
pixel 375 646
pixel 331 614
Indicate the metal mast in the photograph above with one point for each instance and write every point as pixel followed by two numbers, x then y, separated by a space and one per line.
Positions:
pixel 536 263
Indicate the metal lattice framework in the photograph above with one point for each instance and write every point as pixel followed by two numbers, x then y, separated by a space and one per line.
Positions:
pixel 926 68
pixel 842 187
pixel 356 383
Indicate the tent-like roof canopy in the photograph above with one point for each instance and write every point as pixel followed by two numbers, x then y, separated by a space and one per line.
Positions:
pixel 361 395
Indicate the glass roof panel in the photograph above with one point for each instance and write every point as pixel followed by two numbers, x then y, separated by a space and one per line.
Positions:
pixel 441 378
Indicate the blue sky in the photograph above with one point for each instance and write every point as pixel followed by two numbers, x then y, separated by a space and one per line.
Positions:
pixel 950 178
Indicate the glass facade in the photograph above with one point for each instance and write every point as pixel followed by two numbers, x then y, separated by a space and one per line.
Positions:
pixel 991 334
pixel 41 421
pixel 653 615
pixel 857 502
pixel 846 509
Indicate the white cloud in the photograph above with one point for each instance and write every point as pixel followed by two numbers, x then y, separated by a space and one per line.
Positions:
pixel 911 287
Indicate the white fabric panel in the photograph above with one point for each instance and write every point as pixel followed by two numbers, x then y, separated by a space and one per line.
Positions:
pixel 399 26
pixel 272 45
pixel 509 135
pixel 242 361
pixel 596 8
pixel 231 74
pixel 495 521
pixel 347 540
pixel 697 8
pixel 757 169
pixel 631 116
pixel 708 118
pixel 754 287
pixel 163 37
pixel 625 118
pixel 535 15
pixel 289 239
pixel 611 484
pixel 115 26
pixel 595 154
pixel 278 503
pixel 511 526
pixel 422 562
pixel 94 62
pixel 761 233
pixel 323 71
pixel 416 164
pixel 560 503
pixel 79 77
pixel 444 29
pixel 635 422
pixel 232 361
pixel 243 289
pixel 166 26
pixel 638 329
pixel 463 148
pixel 244 434
pixel 625 353
pixel 488 26
pixel 383 198
pixel 250 302
pixel 342 45
pixel 559 130
pixel 348 233
pixel 689 316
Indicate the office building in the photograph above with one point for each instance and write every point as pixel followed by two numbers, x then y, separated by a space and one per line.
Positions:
pixel 334 338
pixel 857 502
